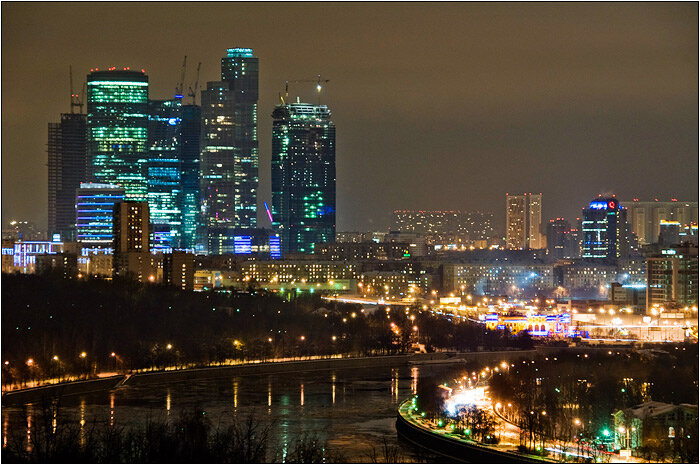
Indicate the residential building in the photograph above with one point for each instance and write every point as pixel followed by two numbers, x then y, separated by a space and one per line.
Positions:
pixel 132 258
pixel 524 222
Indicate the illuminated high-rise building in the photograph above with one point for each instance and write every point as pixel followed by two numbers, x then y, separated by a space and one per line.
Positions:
pixel 524 222
pixel 164 173
pixel 190 130
pixel 67 153
pixel 605 230
pixel 95 213
pixel 117 130
pixel 229 157
pixel 303 175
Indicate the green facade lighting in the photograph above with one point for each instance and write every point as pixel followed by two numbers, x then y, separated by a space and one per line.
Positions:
pixel 303 175
pixel 117 121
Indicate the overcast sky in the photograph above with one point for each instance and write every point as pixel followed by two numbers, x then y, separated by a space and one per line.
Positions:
pixel 437 106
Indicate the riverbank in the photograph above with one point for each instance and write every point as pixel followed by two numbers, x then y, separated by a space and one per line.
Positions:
pixel 453 447
pixel 21 396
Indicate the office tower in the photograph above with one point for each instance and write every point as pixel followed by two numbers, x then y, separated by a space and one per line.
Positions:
pixel 524 222
pixel 131 241
pixel 605 230
pixel 67 152
pixel 94 204
pixel 117 122
pixel 164 173
pixel 190 130
pixel 446 227
pixel 303 175
pixel 672 277
pixel 229 144
pixel 560 241
pixel 645 217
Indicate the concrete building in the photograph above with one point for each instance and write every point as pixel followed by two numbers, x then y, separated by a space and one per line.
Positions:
pixel 444 227
pixel 132 258
pixel 672 278
pixel 524 222
pixel 645 217
pixel 178 270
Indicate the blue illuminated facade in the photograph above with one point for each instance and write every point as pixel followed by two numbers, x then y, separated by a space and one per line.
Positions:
pixel 303 175
pixel 95 213
pixel 164 173
pixel 605 230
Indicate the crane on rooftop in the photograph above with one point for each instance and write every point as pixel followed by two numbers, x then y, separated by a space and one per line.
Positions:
pixel 318 82
pixel 192 92
pixel 181 82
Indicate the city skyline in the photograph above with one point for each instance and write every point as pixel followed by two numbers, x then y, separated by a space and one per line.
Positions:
pixel 631 108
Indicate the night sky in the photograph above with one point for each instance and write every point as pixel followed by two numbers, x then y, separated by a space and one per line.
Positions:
pixel 437 106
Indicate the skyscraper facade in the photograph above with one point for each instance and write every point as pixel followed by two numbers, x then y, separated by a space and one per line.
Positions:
pixel 229 162
pixel 524 222
pixel 303 175
pixel 117 124
pixel 561 243
pixel 605 230
pixel 67 162
pixel 164 173
pixel 95 213
pixel 190 130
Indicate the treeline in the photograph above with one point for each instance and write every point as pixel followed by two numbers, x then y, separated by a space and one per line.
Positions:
pixel 54 328
pixel 568 398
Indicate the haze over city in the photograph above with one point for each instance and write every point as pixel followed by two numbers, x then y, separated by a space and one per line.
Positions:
pixel 445 106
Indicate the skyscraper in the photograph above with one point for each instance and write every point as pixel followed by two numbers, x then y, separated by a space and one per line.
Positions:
pixel 229 160
pixel 164 173
pixel 190 130
pixel 67 153
pixel 303 175
pixel 605 230
pixel 117 122
pixel 524 222
pixel 560 242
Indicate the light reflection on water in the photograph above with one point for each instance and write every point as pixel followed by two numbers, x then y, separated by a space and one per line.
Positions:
pixel 352 410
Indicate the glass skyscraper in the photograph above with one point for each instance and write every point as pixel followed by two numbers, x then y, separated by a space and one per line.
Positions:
pixel 117 122
pixel 190 130
pixel 605 230
pixel 229 163
pixel 67 163
pixel 303 175
pixel 164 173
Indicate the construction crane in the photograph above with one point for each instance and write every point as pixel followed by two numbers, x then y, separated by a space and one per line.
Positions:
pixel 181 82
pixel 76 100
pixel 318 82
pixel 192 92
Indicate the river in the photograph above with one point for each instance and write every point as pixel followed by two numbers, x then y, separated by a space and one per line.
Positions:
pixel 352 410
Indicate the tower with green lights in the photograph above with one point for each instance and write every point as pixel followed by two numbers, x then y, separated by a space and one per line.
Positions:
pixel 229 157
pixel 117 130
pixel 303 175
